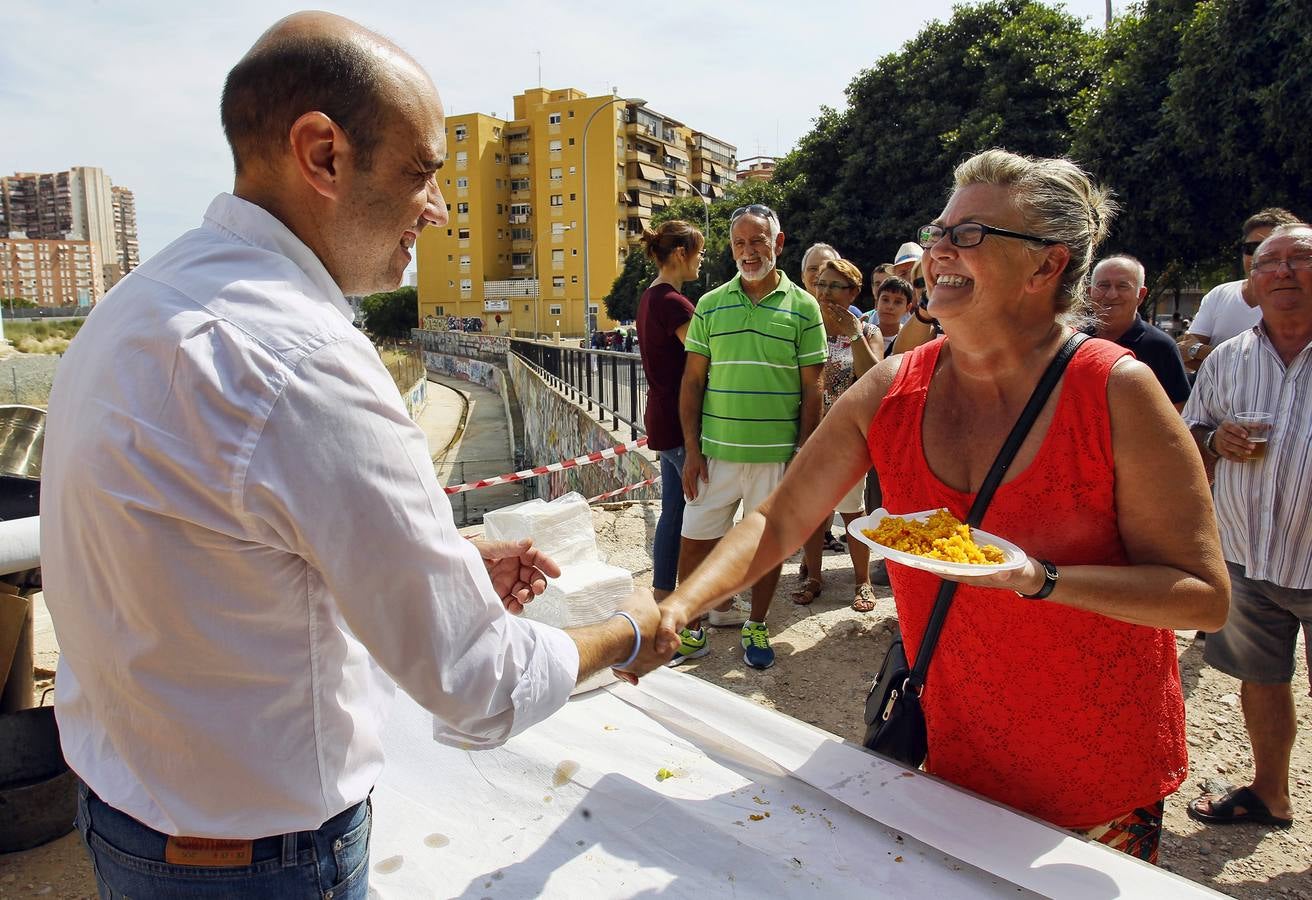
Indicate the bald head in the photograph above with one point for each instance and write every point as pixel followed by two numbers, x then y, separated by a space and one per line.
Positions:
pixel 315 62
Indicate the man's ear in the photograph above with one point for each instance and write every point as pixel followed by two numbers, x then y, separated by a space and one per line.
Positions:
pixel 778 243
pixel 320 150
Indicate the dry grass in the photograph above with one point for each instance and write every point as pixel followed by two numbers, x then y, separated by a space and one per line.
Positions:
pixel 40 336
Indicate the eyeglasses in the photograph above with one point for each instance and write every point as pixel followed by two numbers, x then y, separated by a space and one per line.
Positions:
pixel 1248 248
pixel 969 234
pixel 1267 264
pixel 754 209
pixel 834 286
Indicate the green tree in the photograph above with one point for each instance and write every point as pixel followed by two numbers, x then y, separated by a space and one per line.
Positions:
pixel 717 266
pixel 1239 109
pixel 1006 73
pixel 391 314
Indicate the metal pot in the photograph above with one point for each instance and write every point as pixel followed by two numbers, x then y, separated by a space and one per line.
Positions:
pixel 22 436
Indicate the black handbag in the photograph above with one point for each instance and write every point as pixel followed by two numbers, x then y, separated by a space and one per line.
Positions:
pixel 895 721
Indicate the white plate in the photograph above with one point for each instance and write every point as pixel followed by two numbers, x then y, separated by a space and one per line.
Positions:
pixel 1013 556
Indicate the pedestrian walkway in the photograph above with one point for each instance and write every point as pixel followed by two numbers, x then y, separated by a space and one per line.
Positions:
pixel 469 438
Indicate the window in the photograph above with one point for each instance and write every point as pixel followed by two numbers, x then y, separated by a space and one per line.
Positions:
pixel 571 170
pixel 521 234
pixel 571 142
pixel 499 158
pixel 519 184
pixel 554 174
pixel 520 260
pixel 557 227
pixel 466 284
pixel 500 209
pixel 554 146
pixel 462 182
pixel 521 209
pixel 462 207
pixel 462 159
pixel 441 310
pixel 461 133
pixel 553 119
pixel 464 261
pixel 496 133
pixel 557 200
pixel 558 257
pixel 571 196
pixel 571 113
pixel 558 282
pixel 553 309
pixel 519 159
pixel 463 234
pixel 573 279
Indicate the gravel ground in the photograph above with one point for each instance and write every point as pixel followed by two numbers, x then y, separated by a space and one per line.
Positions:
pixel 26 377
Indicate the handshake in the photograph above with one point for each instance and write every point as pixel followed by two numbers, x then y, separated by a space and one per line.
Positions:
pixel 648 634
pixel 636 639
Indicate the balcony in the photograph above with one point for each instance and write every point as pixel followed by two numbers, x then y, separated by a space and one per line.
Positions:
pixel 518 218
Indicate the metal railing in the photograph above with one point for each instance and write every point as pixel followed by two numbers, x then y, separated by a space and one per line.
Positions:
pixel 614 382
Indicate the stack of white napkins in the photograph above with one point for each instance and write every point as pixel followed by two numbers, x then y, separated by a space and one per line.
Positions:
pixel 588 589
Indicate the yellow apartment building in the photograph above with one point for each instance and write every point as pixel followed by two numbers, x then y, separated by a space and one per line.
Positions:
pixel 513 254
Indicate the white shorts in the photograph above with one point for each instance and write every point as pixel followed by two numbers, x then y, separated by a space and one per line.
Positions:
pixel 854 501
pixel 710 516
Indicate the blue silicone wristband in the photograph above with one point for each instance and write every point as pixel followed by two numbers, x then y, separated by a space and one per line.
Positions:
pixel 637 639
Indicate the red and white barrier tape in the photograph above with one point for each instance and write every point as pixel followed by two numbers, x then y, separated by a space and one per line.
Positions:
pixel 534 472
pixel 623 490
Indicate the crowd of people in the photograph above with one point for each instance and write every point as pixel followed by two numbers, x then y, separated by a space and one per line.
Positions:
pixel 244 546
pixel 1147 503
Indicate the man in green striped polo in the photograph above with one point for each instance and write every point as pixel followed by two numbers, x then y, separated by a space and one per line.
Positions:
pixel 750 396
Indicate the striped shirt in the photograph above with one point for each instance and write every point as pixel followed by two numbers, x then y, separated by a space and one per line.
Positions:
pixel 753 394
pixel 1264 506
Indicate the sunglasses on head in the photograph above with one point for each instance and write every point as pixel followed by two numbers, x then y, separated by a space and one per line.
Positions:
pixel 754 209
pixel 1249 247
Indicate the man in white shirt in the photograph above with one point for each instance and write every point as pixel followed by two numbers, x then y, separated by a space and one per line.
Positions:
pixel 1264 509
pixel 243 540
pixel 1230 308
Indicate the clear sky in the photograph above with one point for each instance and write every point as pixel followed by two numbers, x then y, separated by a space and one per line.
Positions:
pixel 132 86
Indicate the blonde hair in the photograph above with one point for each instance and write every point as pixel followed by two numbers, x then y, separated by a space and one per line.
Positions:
pixel 845 268
pixel 1057 200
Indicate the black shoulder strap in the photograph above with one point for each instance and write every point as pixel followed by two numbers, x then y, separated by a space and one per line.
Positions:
pixel 991 481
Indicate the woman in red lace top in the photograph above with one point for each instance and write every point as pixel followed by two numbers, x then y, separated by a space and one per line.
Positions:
pixel 1067 707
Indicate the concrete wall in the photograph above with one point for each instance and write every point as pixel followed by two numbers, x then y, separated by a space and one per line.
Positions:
pixel 416 398
pixel 556 429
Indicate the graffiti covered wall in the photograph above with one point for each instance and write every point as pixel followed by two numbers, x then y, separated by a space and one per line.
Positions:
pixel 557 429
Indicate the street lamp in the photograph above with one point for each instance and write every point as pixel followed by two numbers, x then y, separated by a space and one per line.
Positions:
pixel 636 102
pixel 706 208
pixel 537 284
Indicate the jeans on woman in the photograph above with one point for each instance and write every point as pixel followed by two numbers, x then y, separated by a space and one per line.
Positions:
pixel 665 549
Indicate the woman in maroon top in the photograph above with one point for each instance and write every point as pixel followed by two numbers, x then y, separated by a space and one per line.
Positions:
pixel 663 316
pixel 1054 687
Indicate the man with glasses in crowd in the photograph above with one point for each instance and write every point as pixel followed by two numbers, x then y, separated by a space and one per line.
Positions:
pixel 1117 289
pixel 1263 472
pixel 750 397
pixel 1230 308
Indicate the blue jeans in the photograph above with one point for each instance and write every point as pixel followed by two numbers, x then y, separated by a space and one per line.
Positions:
pixel 128 859
pixel 665 549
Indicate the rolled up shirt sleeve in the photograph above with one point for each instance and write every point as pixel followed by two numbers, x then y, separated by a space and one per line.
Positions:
pixel 341 479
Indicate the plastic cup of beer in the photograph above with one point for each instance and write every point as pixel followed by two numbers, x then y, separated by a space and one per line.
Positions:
pixel 1258 425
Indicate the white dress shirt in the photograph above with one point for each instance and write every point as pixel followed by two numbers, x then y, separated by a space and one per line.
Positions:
pixel 1263 506
pixel 240 527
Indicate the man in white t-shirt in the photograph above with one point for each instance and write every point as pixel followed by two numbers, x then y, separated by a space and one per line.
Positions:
pixel 1230 309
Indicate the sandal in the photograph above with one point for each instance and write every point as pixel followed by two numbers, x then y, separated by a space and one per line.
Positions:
pixel 1221 810
pixel 865 599
pixel 808 593
pixel 833 545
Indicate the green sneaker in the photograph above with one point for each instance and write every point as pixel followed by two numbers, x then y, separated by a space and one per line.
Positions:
pixel 692 645
pixel 756 646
